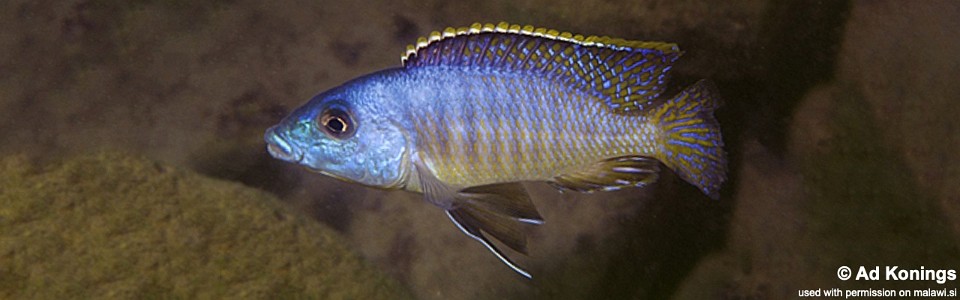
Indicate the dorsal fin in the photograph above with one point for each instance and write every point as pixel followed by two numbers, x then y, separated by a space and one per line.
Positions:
pixel 627 75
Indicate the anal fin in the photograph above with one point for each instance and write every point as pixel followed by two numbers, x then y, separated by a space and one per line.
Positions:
pixel 611 174
pixel 497 210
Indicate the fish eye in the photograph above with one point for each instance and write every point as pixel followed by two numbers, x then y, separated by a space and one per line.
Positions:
pixel 336 123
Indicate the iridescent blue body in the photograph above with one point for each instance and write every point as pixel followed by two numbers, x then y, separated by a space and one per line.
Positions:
pixel 476 110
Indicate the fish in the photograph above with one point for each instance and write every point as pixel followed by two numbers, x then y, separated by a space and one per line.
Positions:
pixel 474 112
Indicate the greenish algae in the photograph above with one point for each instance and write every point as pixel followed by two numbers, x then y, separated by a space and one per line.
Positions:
pixel 117 226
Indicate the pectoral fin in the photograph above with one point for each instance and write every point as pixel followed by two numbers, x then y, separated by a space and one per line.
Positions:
pixel 434 190
pixel 497 210
pixel 611 174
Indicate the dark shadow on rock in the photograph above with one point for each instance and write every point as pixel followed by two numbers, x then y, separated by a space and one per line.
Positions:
pixel 239 153
pixel 332 207
pixel 648 252
pixel 866 208
pixel 317 195
pixel 799 43
pixel 247 163
pixel 662 244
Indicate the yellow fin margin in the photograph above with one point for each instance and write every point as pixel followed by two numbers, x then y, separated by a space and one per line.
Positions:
pixel 504 27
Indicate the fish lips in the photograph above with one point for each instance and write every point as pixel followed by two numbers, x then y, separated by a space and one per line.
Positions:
pixel 279 148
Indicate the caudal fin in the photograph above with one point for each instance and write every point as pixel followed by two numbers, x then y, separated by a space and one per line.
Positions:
pixel 690 137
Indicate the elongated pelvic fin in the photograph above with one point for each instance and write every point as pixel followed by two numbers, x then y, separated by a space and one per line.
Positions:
pixel 497 210
pixel 611 174
pixel 690 135
pixel 471 228
pixel 626 75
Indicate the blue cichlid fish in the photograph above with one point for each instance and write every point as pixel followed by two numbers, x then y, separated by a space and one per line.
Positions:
pixel 474 111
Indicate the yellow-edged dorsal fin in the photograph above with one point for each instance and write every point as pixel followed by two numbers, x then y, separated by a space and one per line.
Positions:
pixel 627 75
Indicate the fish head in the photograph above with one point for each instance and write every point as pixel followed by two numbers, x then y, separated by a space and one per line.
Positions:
pixel 344 133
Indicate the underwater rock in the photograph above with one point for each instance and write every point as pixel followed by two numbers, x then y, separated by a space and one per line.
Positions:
pixel 868 178
pixel 902 58
pixel 113 225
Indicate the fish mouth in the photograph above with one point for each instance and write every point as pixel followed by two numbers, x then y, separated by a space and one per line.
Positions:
pixel 279 148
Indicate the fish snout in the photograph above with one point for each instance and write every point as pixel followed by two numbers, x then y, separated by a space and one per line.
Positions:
pixel 279 148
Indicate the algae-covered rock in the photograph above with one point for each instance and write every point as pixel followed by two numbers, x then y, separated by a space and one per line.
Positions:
pixel 118 226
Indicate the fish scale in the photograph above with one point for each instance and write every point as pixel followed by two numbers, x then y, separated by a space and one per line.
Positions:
pixel 582 132
pixel 475 110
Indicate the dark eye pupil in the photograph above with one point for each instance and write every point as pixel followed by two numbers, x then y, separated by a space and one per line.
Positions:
pixel 336 125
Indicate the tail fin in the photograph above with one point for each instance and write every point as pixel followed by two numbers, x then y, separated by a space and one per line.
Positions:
pixel 690 137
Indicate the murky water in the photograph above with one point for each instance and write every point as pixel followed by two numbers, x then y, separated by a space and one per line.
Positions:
pixel 839 119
